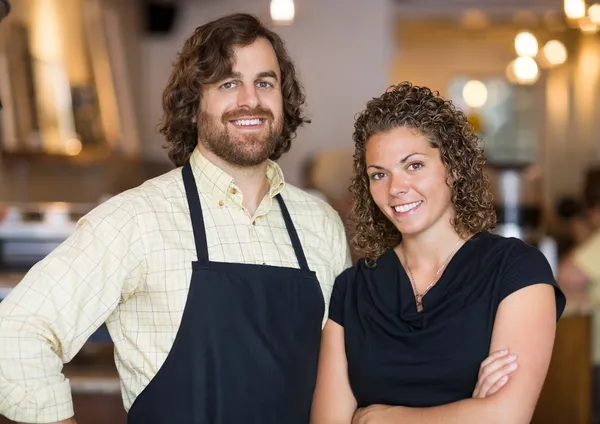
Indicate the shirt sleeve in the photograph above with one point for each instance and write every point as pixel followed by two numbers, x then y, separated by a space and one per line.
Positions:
pixel 527 266
pixel 587 257
pixel 61 301
pixel 339 254
pixel 338 299
pixel 342 249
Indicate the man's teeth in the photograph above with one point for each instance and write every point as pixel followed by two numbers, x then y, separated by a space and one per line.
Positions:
pixel 243 122
pixel 407 207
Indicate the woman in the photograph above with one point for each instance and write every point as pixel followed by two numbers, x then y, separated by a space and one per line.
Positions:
pixel 436 292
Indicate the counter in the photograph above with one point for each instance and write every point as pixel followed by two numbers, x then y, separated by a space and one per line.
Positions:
pixel 567 393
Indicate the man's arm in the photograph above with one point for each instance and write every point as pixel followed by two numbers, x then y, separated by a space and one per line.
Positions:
pixel 340 247
pixel 525 324
pixel 579 269
pixel 61 301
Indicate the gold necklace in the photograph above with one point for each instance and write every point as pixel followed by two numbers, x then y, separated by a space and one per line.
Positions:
pixel 419 296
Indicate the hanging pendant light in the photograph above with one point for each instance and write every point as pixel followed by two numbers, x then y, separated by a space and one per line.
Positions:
pixel 282 11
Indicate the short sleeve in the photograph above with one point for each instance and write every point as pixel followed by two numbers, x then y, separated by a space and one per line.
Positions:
pixel 338 299
pixel 527 266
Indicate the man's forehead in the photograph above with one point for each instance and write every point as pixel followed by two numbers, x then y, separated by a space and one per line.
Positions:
pixel 258 54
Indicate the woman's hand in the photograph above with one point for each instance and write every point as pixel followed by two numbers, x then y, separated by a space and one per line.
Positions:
pixel 374 414
pixel 494 373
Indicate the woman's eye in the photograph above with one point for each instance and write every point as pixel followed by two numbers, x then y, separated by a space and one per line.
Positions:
pixel 377 176
pixel 415 166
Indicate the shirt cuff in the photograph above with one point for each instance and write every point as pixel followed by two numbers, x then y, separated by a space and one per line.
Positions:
pixel 46 404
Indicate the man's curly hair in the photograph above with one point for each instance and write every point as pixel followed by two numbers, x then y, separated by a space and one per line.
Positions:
pixel 206 58
pixel 447 129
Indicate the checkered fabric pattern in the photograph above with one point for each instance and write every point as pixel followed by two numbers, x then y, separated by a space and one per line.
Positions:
pixel 129 264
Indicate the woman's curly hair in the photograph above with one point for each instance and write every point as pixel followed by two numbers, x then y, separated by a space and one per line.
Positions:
pixel 447 129
pixel 207 57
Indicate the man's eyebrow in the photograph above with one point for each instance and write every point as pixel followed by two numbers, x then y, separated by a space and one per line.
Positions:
pixel 268 74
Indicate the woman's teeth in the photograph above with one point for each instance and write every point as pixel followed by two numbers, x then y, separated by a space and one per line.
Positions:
pixel 406 207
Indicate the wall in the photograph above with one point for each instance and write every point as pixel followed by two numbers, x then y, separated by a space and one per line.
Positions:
pixel 341 49
pixel 572 127
pixel 434 52
pixel 568 97
pixel 347 53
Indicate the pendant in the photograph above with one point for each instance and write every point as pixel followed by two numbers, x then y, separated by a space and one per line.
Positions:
pixel 418 300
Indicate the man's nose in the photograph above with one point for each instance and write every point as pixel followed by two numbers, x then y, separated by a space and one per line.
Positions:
pixel 247 97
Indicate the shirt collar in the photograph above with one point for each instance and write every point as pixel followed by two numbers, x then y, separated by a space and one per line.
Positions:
pixel 218 184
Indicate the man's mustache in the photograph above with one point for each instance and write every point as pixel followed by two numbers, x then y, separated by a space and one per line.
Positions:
pixel 257 112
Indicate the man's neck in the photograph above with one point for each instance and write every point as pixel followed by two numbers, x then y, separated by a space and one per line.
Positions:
pixel 252 181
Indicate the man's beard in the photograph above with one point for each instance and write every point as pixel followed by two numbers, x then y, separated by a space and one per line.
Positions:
pixel 248 150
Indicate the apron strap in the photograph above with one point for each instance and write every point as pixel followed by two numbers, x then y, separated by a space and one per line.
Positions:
pixel 293 234
pixel 193 199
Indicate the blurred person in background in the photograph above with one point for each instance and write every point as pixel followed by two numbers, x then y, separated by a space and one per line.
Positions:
pixel 410 326
pixel 579 271
pixel 328 174
pixel 213 279
pixel 574 225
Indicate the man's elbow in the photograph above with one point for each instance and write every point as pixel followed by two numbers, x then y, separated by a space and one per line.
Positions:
pixel 571 277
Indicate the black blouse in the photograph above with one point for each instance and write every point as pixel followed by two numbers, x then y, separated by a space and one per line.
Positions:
pixel 398 356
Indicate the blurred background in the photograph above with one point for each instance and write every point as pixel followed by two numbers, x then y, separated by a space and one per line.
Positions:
pixel 81 84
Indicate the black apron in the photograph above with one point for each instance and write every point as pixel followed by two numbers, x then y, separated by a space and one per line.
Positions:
pixel 247 346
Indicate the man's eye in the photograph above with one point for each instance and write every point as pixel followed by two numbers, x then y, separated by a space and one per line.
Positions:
pixel 264 84
pixel 228 85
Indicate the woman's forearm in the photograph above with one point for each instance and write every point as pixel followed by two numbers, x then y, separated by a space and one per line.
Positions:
pixel 468 411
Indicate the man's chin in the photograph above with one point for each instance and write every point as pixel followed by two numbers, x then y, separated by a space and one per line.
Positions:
pixel 249 157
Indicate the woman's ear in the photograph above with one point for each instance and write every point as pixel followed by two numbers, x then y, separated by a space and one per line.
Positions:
pixel 452 177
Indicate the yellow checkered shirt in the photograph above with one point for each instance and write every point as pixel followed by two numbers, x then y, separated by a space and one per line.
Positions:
pixel 129 264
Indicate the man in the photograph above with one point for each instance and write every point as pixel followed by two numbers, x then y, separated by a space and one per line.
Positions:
pixel 213 279
pixel 579 272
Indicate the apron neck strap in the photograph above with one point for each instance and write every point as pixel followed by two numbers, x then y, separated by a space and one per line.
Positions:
pixel 193 199
pixel 293 234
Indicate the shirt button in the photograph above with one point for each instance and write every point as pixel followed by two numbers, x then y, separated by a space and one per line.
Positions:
pixel 232 190
pixel 253 222
pixel 221 203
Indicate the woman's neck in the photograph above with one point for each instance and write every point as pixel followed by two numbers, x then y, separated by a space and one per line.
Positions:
pixel 430 251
